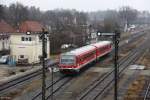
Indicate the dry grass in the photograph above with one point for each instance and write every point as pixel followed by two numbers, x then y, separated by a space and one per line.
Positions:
pixel 135 88
pixel 11 95
pixel 33 85
pixel 125 34
pixel 135 44
pixel 29 87
pixel 145 59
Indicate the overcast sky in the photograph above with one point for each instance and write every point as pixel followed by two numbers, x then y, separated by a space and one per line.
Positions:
pixel 83 5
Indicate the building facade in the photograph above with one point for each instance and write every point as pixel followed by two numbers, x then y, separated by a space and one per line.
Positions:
pixel 27 48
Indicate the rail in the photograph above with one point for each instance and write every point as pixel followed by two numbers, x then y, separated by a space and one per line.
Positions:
pixel 147 94
pixel 110 74
pixel 16 81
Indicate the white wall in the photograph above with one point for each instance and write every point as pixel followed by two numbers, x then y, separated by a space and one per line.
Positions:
pixel 31 49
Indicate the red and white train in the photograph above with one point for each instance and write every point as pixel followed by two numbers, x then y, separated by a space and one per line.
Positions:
pixel 76 59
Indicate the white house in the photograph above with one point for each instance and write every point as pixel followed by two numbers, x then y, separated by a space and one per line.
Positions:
pixel 27 48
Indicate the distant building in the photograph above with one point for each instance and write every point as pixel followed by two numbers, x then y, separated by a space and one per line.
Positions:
pixel 27 48
pixel 94 37
pixel 5 31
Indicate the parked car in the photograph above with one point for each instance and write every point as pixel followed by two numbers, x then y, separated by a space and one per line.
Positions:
pixel 4 59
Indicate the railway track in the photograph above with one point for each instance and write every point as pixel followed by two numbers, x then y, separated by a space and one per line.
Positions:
pixel 147 92
pixel 134 35
pixel 100 77
pixel 103 77
pixel 98 88
pixel 61 81
pixel 5 86
pixel 20 80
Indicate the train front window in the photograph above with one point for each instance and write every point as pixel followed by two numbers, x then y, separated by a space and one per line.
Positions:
pixel 67 59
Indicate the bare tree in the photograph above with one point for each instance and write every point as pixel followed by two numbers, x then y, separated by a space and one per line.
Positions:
pixel 111 21
pixel 70 26
pixel 34 14
pixel 1 12
pixel 128 15
pixel 18 13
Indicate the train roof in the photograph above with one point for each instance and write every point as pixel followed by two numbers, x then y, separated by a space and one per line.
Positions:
pixel 101 43
pixel 87 48
pixel 80 50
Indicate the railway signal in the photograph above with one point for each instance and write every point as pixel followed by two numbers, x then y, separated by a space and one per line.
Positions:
pixel 116 41
pixel 43 36
pixel 116 37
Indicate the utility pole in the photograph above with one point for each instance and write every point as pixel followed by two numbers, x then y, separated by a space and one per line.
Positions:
pixel 44 55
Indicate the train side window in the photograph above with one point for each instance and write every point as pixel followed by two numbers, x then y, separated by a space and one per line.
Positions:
pixel 90 55
pixel 86 56
pixel 102 49
pixel 107 46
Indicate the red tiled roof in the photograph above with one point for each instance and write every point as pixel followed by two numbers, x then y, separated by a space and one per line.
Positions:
pixel 30 26
pixel 5 28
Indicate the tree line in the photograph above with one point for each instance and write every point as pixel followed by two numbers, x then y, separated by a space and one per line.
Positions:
pixel 70 26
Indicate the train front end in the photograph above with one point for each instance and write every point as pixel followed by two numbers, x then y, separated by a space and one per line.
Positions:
pixel 67 63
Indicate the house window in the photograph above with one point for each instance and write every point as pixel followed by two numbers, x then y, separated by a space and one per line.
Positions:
pixel 26 39
pixel 30 39
pixel 22 56
pixel 22 39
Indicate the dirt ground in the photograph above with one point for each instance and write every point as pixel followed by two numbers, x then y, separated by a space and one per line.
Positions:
pixel 7 71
